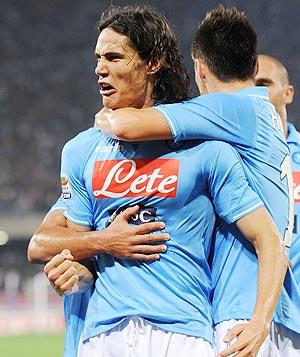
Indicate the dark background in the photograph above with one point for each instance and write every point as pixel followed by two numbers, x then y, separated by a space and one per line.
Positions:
pixel 48 90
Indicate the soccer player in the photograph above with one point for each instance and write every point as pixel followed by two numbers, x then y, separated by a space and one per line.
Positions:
pixel 224 52
pixel 273 75
pixel 119 239
pixel 167 299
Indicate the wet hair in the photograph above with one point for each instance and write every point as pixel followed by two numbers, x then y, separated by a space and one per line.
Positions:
pixel 227 43
pixel 152 38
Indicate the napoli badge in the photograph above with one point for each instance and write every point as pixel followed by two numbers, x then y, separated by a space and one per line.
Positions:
pixel 65 186
pixel 296 157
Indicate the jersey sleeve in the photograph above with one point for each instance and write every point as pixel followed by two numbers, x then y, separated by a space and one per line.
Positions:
pixel 219 116
pixel 231 194
pixel 59 204
pixel 75 195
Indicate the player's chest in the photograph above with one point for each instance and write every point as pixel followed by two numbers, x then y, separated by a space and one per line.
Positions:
pixel 151 170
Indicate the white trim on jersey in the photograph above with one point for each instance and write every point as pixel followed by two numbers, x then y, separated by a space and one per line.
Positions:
pixel 249 210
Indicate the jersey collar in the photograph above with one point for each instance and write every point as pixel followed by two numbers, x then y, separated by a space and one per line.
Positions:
pixel 255 91
pixel 293 135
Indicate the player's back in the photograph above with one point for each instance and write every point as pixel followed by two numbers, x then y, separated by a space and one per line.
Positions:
pixel 234 267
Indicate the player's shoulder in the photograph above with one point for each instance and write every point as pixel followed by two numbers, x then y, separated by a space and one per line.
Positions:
pixel 82 141
pixel 83 137
pixel 227 103
pixel 214 146
pixel 219 154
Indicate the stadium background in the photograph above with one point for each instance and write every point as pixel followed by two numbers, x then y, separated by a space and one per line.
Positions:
pixel 48 93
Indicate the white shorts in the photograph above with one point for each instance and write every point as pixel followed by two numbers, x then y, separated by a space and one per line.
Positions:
pixel 286 341
pixel 135 337
pixel 268 348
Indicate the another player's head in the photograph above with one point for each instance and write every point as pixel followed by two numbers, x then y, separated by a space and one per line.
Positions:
pixel 139 63
pixel 272 74
pixel 224 49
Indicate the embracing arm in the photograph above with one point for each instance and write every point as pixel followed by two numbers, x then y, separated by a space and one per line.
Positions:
pixel 210 117
pixel 259 228
pixel 119 239
pixel 131 124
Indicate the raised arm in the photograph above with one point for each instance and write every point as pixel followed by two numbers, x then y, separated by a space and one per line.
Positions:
pixel 133 124
pixel 219 116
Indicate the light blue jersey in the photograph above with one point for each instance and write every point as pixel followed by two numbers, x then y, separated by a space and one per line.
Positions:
pixel 294 253
pixel 75 306
pixel 249 121
pixel 182 185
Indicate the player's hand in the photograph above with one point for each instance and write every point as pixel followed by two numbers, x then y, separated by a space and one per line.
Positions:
pixel 102 120
pixel 66 276
pixel 135 241
pixel 248 338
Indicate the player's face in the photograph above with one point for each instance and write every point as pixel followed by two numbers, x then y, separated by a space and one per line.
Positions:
pixel 268 75
pixel 123 75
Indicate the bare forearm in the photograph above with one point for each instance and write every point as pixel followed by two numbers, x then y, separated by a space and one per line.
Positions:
pixel 259 228
pixel 50 241
pixel 131 124
pixel 273 264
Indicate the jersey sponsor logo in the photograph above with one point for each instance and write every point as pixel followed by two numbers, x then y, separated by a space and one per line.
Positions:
pixel 146 214
pixel 296 179
pixel 65 186
pixel 135 178
pixel 109 148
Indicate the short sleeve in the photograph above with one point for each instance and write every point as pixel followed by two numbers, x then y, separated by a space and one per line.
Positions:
pixel 60 204
pixel 75 195
pixel 231 194
pixel 218 116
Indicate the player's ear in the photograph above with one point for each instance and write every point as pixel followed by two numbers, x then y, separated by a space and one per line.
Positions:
pixel 289 94
pixel 200 69
pixel 256 68
pixel 154 67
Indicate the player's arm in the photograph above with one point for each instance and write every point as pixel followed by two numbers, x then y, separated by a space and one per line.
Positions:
pixel 210 117
pixel 132 124
pixel 259 228
pixel 67 276
pixel 119 239
pixel 236 202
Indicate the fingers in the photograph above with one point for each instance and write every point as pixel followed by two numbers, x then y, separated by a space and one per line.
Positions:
pixel 244 344
pixel 150 238
pixel 146 258
pixel 149 249
pixel 128 212
pixel 149 227
pixel 69 287
pixel 57 260
pixel 65 276
pixel 66 253
pixel 59 270
pixel 233 332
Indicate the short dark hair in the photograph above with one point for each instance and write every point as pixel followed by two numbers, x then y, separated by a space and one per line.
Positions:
pixel 152 37
pixel 227 42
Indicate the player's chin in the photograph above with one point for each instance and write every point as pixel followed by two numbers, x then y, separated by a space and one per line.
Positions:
pixel 111 103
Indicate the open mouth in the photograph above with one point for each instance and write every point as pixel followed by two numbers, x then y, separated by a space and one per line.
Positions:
pixel 106 89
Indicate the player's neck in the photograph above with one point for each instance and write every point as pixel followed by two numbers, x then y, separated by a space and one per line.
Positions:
pixel 145 100
pixel 283 115
pixel 231 87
